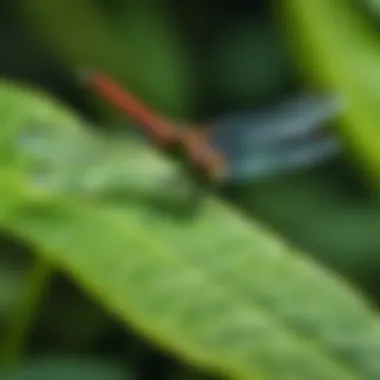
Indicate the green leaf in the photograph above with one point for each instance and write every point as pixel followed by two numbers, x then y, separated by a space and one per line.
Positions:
pixel 339 48
pixel 57 368
pixel 25 311
pixel 217 290
pixel 342 228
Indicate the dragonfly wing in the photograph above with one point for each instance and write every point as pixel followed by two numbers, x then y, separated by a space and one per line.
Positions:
pixel 287 121
pixel 260 164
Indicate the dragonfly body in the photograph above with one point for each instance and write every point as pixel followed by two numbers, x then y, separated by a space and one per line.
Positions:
pixel 187 143
pixel 237 147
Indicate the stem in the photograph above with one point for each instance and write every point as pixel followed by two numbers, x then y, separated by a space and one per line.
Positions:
pixel 23 317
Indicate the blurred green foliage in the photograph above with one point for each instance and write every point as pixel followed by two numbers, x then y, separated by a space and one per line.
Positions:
pixel 192 62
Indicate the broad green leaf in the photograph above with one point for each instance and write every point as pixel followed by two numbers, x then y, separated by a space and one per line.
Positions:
pixel 61 368
pixel 340 49
pixel 342 228
pixel 217 290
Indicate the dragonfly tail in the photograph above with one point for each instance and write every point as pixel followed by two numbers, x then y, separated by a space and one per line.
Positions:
pixel 155 126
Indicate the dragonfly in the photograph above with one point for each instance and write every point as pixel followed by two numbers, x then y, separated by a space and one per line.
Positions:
pixel 236 147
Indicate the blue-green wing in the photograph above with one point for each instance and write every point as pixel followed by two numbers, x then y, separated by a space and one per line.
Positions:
pixel 286 137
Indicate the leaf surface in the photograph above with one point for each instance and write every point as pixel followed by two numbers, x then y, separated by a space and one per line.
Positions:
pixel 56 368
pixel 217 290
pixel 338 48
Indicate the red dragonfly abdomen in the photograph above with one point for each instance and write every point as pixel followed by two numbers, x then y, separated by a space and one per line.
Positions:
pixel 158 129
pixel 192 143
